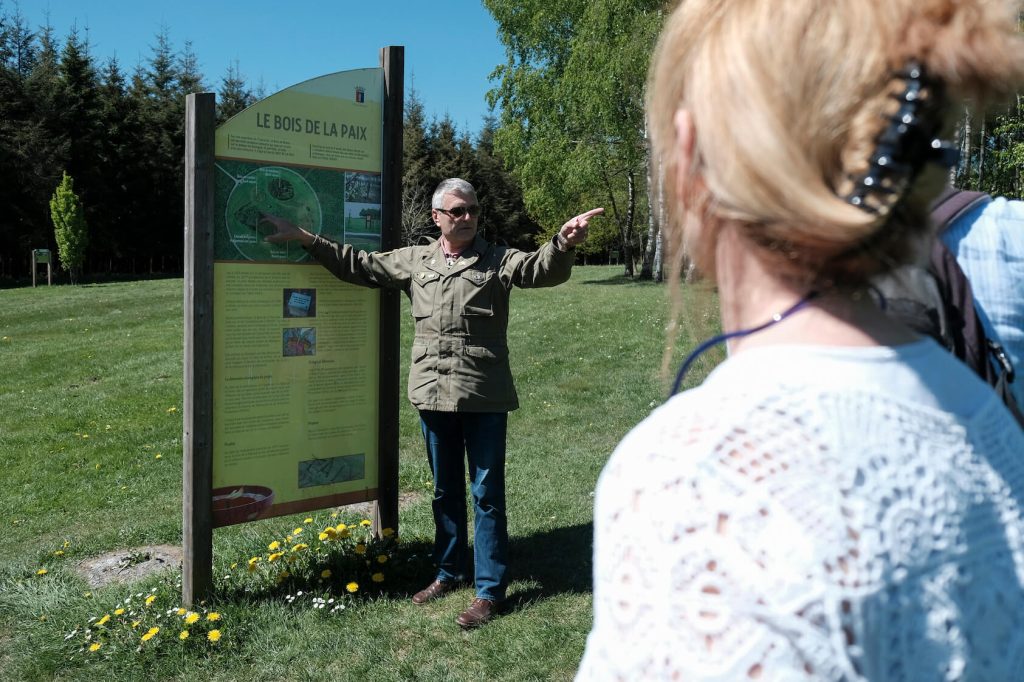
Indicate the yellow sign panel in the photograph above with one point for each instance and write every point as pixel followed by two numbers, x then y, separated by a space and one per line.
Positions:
pixel 296 351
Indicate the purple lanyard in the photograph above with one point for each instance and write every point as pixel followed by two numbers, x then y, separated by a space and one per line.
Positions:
pixel 715 340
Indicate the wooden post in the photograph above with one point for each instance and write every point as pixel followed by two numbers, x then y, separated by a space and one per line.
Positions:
pixel 385 507
pixel 197 408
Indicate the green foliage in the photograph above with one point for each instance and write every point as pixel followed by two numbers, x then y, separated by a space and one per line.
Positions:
pixel 992 150
pixel 119 136
pixel 571 97
pixel 436 150
pixel 69 226
pixel 234 96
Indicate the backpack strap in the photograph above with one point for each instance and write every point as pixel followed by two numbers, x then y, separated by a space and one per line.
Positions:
pixel 970 343
pixel 952 204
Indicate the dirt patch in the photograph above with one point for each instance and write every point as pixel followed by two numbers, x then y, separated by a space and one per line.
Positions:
pixel 129 565
pixel 364 509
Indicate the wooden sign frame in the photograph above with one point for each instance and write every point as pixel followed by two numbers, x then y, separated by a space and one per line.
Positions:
pixel 197 436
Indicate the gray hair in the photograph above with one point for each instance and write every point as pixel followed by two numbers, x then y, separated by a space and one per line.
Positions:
pixel 448 186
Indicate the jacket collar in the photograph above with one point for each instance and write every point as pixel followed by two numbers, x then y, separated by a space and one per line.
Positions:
pixel 435 260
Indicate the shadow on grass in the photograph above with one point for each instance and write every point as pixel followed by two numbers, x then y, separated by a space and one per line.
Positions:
pixel 553 562
pixel 409 568
pixel 558 560
pixel 621 279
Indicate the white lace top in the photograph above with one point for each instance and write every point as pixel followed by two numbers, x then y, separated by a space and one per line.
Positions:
pixel 815 513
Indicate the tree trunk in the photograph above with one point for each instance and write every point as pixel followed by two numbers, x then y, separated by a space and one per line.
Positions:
pixel 647 269
pixel 627 230
pixel 981 156
pixel 964 171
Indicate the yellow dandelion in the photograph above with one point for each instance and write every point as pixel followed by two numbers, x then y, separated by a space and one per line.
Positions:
pixel 104 620
pixel 275 556
pixel 85 435
pixel 323 537
pixel 340 527
pixel 352 587
pixel 213 635
pixel 67 543
pixel 299 547
pixel 388 532
pixel 308 519
pixel 183 635
pixel 326 573
pixel 334 515
pixel 95 646
pixel 158 456
pixel 234 565
pixel 382 558
pixel 366 523
pixel 275 545
pixel 377 577
pixel 42 571
pixel 150 599
pixel 119 612
pixel 360 548
pixel 191 617
pixel 59 552
pixel 171 409
pixel 213 615
pixel 297 531
pixel 150 634
pixel 136 623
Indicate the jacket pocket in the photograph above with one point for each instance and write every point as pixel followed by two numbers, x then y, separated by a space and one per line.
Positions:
pixel 477 288
pixel 422 293
pixel 487 355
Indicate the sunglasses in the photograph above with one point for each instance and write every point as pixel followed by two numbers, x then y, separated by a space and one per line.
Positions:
pixel 460 211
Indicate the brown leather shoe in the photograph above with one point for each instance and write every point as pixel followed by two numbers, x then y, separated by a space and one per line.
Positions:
pixel 434 590
pixel 478 613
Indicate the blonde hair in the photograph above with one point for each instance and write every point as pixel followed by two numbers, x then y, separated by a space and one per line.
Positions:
pixel 787 98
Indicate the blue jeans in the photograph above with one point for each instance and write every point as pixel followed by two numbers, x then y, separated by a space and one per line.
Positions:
pixel 481 437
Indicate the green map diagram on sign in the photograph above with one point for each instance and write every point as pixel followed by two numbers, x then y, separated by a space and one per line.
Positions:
pixel 341 205
pixel 272 190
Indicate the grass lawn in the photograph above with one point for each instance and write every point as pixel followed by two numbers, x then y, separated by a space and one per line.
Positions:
pixel 90 447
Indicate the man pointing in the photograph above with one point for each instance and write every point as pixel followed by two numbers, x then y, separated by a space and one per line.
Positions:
pixel 459 378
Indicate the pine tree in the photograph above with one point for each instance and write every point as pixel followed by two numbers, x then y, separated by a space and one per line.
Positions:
pixel 70 227
pixel 77 117
pixel 234 96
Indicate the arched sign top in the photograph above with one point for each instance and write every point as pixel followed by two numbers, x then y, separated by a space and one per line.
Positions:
pixel 332 121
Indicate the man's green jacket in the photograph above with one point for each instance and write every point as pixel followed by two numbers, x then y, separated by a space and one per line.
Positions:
pixel 460 352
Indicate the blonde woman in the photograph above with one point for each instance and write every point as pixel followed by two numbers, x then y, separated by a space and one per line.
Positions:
pixel 840 499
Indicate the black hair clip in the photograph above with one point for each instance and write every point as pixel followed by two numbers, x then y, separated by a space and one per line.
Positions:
pixel 910 140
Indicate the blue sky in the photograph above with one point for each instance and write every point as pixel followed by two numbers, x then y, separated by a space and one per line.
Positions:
pixel 451 46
